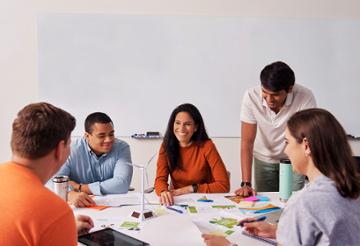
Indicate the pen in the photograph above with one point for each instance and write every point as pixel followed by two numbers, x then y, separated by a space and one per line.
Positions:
pixel 262 218
pixel 174 209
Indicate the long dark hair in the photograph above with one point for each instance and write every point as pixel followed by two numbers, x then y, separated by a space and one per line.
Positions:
pixel 330 150
pixel 171 144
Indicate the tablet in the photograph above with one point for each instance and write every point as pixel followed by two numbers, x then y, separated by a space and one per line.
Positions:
pixel 109 237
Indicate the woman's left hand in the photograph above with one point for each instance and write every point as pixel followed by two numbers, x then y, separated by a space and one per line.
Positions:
pixel 182 191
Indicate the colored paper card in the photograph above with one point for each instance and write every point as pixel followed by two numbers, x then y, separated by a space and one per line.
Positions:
pixel 251 199
pixel 227 222
pixel 130 225
pixel 236 199
pixel 229 232
pixel 204 199
pixel 192 209
pixel 259 206
pixel 244 204
pixel 98 207
pixel 223 206
pixel 262 198
pixel 262 211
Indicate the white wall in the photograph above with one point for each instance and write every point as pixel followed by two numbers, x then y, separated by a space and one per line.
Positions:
pixel 18 45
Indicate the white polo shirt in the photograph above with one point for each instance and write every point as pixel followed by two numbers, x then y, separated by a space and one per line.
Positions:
pixel 269 142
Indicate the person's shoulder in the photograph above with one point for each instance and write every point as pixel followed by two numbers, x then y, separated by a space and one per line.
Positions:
pixel 322 192
pixel 302 90
pixel 78 143
pixel 254 91
pixel 207 145
pixel 48 201
pixel 252 96
pixel 6 166
pixel 120 144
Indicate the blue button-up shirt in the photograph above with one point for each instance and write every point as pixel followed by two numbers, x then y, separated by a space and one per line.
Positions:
pixel 110 173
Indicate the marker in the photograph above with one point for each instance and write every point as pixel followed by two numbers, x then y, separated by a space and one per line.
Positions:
pixel 205 200
pixel 262 218
pixel 182 205
pixel 174 209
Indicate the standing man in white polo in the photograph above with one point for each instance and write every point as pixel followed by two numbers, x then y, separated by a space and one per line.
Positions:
pixel 264 113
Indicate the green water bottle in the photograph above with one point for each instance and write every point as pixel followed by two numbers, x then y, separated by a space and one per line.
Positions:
pixel 285 180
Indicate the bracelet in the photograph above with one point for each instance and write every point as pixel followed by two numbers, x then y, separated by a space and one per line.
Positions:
pixel 245 184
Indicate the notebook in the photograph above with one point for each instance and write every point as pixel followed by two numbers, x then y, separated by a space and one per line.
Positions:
pixel 264 239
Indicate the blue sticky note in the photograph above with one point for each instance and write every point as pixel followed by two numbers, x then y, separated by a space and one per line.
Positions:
pixel 263 198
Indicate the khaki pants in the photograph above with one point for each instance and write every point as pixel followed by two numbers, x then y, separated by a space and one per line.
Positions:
pixel 267 177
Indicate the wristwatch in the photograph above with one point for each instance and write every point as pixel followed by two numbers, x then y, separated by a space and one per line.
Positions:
pixel 195 187
pixel 245 184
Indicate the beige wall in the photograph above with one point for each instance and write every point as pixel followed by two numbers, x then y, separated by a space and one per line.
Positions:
pixel 18 46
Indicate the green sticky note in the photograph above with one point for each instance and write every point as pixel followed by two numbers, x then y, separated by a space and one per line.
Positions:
pixel 229 232
pixel 223 206
pixel 130 225
pixel 227 222
pixel 192 209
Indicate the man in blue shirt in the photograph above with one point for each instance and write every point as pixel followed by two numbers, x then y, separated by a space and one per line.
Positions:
pixel 99 163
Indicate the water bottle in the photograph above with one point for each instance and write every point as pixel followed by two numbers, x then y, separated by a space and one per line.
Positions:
pixel 61 186
pixel 285 180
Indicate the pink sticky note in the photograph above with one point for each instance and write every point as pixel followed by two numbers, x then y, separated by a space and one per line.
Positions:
pixel 251 199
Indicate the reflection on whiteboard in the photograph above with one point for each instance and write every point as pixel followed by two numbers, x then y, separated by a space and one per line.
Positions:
pixel 138 69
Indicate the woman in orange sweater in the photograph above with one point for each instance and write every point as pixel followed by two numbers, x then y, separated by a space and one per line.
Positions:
pixel 190 157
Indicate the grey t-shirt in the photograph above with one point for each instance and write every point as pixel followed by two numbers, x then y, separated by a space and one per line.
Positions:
pixel 319 215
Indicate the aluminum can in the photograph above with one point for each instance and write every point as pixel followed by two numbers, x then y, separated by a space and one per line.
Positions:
pixel 61 186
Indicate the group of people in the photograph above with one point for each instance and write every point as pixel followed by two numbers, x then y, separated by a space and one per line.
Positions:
pixel 279 119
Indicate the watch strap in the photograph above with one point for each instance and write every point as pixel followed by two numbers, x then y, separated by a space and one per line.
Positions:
pixel 195 188
pixel 245 184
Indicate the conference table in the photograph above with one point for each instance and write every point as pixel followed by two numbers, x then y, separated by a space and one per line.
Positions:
pixel 170 227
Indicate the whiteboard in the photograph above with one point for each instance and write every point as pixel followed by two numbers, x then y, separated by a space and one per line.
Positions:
pixel 138 69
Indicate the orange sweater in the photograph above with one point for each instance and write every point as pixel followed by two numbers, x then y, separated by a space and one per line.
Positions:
pixel 200 164
pixel 30 213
